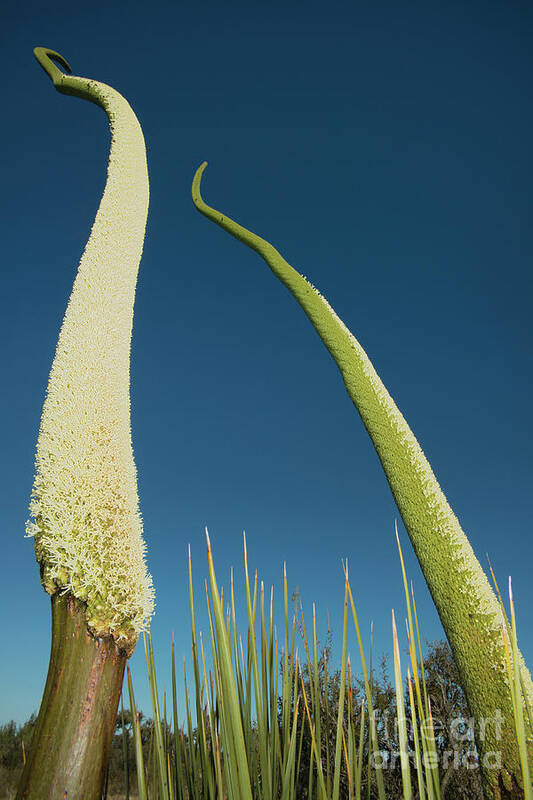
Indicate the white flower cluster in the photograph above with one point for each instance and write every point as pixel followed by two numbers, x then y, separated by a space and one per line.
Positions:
pixel 85 513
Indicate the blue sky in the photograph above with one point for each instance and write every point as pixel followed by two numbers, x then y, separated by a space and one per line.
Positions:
pixel 385 149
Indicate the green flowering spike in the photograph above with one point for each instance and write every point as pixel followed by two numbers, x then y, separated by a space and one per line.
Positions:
pixel 84 509
pixel 466 604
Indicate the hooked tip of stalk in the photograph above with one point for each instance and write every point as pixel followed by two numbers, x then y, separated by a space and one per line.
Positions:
pixel 196 195
pixel 46 58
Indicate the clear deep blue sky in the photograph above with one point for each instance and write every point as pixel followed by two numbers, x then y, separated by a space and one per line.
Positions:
pixel 385 149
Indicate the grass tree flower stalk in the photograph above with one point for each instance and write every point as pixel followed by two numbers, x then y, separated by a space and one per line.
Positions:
pixel 467 606
pixel 85 516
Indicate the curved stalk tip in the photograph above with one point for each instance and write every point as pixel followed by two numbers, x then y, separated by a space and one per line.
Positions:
pixel 46 58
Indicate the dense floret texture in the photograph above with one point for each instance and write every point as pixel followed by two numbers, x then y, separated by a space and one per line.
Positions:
pixel 84 508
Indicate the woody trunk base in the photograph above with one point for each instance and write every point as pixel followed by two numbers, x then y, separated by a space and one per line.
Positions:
pixel 72 738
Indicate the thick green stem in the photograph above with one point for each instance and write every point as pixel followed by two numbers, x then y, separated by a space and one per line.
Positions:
pixel 72 738
pixel 468 608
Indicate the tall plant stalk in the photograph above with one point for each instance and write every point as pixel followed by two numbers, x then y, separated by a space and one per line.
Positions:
pixel 85 517
pixel 467 606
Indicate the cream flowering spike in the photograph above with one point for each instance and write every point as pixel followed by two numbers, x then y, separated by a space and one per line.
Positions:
pixel 84 507
pixel 467 606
